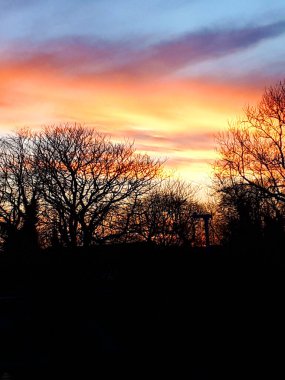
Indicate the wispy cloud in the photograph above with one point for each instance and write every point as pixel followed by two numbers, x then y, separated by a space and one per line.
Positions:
pixel 129 90
pixel 170 142
pixel 174 54
pixel 89 56
pixel 205 45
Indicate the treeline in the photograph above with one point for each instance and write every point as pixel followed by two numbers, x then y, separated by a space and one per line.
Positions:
pixel 249 177
pixel 69 186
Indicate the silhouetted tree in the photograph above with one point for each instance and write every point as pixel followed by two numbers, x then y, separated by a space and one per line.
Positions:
pixel 250 173
pixel 85 178
pixel 19 192
pixel 241 207
pixel 252 150
pixel 164 217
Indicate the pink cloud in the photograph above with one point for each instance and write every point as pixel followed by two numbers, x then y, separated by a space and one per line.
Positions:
pixel 75 56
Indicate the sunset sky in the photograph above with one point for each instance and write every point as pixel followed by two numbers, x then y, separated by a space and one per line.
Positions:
pixel 167 73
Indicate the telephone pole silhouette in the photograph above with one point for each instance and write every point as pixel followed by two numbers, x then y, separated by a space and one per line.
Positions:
pixel 206 217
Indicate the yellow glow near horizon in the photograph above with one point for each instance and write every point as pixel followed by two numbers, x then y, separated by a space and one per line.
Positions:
pixel 174 119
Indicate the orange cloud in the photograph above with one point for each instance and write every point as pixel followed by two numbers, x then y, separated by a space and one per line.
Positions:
pixel 170 117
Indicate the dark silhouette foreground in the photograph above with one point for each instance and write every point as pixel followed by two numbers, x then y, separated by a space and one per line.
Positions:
pixel 88 309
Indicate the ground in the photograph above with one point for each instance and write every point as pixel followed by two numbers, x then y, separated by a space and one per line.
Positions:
pixel 114 307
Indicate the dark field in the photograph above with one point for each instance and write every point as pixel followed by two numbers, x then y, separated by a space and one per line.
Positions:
pixel 157 310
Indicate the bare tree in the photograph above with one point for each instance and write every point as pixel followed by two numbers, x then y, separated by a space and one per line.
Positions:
pixel 250 173
pixel 164 216
pixel 252 150
pixel 85 177
pixel 19 192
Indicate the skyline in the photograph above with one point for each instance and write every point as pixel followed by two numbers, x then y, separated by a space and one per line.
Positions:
pixel 167 74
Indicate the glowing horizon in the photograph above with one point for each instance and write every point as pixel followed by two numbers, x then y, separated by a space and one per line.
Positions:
pixel 169 86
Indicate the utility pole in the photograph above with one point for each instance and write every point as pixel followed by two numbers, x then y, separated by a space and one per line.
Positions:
pixel 206 217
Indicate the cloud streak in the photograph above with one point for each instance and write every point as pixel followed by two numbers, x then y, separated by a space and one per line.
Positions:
pixel 89 56
pixel 129 90
pixel 171 142
pixel 205 45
